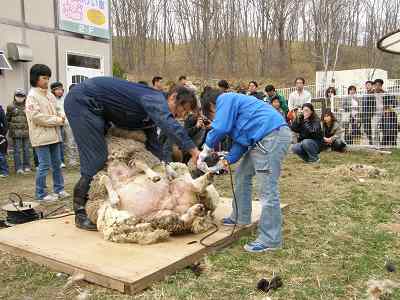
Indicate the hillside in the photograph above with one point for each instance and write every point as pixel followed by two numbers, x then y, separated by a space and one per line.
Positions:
pixel 282 67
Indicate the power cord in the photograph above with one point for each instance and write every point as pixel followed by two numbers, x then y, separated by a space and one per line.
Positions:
pixel 216 228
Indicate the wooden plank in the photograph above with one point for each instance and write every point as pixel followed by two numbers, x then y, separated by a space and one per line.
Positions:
pixel 128 268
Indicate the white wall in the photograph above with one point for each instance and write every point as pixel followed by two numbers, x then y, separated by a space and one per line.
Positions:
pixel 11 10
pixel 39 12
pixel 10 80
pixel 351 77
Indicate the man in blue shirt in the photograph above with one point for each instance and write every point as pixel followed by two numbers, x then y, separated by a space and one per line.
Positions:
pixel 92 106
pixel 261 137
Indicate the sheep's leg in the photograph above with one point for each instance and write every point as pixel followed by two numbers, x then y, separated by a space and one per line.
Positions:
pixel 170 172
pixel 199 185
pixel 142 166
pixel 193 212
pixel 112 194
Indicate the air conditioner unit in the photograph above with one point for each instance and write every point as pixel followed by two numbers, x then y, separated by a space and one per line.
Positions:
pixel 4 64
pixel 19 52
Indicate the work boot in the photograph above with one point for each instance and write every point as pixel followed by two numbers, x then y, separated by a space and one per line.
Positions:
pixel 80 198
pixel 82 221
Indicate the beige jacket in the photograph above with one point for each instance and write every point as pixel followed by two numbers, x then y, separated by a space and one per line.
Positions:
pixel 43 119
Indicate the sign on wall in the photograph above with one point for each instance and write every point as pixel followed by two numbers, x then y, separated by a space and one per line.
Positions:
pixel 90 17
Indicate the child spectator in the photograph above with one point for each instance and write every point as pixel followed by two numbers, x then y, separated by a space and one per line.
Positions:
pixel 57 89
pixel 333 133
pixel 3 144
pixel 276 103
pixel 19 132
pixel 271 92
pixel 308 126
pixel 44 132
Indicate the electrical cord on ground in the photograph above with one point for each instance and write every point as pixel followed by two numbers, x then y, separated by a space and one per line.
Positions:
pixel 31 214
pixel 216 229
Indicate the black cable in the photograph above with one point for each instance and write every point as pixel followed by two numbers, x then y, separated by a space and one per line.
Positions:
pixel 236 215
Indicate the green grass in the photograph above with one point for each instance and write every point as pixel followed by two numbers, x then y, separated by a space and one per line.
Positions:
pixel 332 245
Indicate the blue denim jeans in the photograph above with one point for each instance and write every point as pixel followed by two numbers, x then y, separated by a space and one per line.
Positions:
pixel 3 164
pixel 21 145
pixel 264 161
pixel 49 157
pixel 62 155
pixel 307 149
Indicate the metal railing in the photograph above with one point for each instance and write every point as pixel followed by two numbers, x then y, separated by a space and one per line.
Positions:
pixel 318 91
pixel 368 120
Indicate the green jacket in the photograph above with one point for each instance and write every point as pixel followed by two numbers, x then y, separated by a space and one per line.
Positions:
pixel 282 101
pixel 17 122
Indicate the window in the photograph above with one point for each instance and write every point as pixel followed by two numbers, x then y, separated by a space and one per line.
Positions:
pixel 4 64
pixel 75 60
pixel 78 79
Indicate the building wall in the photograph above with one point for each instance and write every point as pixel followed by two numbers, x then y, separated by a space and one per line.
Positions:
pixel 40 15
pixel 11 11
pixel 42 36
pixel 10 80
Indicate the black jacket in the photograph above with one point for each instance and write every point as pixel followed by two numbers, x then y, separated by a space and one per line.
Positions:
pixel 258 95
pixel 368 105
pixel 3 131
pixel 308 129
pixel 16 118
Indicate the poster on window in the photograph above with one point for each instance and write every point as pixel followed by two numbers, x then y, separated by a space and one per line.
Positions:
pixel 89 17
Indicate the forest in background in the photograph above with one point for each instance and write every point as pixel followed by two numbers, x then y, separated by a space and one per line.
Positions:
pixel 268 40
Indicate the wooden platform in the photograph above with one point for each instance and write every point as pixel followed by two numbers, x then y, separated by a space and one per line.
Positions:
pixel 128 268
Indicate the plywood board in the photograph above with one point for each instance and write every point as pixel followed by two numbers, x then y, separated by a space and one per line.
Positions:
pixel 128 268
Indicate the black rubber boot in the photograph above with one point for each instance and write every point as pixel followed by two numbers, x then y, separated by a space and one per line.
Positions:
pixel 80 198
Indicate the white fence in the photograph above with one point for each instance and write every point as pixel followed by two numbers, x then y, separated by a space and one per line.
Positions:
pixel 368 120
pixel 318 91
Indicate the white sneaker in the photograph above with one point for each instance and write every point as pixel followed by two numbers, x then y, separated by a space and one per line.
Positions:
pixel 62 166
pixel 63 195
pixel 27 170
pixel 20 171
pixel 3 176
pixel 49 198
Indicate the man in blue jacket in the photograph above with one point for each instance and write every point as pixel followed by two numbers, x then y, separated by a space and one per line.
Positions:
pixel 261 137
pixel 92 106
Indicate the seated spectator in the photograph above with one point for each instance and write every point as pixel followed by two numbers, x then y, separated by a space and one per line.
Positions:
pixel 333 133
pixel 308 126
pixel 44 132
pixel 223 85
pixel 3 144
pixel 19 132
pixel 271 92
pixel 276 103
pixel 252 90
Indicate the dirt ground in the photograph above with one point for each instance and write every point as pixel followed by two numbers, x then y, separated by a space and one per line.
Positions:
pixel 333 241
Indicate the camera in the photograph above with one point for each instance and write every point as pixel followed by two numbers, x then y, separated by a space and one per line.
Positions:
pixel 206 121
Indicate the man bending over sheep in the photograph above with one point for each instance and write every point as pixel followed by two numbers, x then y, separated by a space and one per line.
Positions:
pixel 98 102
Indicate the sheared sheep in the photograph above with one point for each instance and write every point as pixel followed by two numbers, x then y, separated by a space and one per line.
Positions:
pixel 137 199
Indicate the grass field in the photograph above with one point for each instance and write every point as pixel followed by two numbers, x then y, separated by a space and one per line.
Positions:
pixel 332 245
